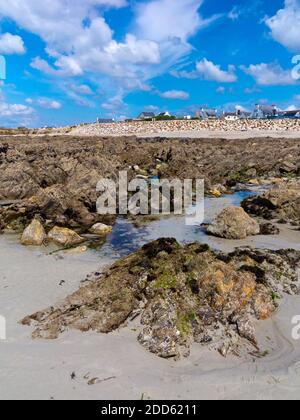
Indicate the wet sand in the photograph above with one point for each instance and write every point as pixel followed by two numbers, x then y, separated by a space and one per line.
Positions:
pixel 30 280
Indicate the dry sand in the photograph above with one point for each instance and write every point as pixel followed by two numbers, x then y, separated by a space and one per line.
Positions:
pixel 219 134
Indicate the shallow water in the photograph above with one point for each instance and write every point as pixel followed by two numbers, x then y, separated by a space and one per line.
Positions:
pixel 127 238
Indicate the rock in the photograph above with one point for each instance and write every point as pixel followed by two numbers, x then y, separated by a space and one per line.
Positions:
pixel 281 202
pixel 251 173
pixel 269 229
pixel 287 167
pixel 101 229
pixel 233 223
pixel 183 293
pixel 246 329
pixel 64 236
pixel 216 193
pixel 254 182
pixel 34 234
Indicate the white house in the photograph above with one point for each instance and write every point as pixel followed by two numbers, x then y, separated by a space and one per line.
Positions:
pixel 164 114
pixel 231 116
pixel 146 116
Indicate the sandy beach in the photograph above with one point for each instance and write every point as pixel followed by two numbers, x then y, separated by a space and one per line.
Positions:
pixel 149 203
pixel 126 369
pixel 55 179
pixel 42 369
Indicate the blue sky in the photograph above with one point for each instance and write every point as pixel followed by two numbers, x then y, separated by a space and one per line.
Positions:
pixel 71 61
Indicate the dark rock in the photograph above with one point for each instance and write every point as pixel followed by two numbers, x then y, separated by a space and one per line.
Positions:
pixel 269 229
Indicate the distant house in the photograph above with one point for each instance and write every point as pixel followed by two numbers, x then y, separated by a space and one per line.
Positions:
pixel 290 114
pixel 164 114
pixel 265 112
pixel 231 116
pixel 105 121
pixel 235 116
pixel 206 113
pixel 146 116
pixel 244 115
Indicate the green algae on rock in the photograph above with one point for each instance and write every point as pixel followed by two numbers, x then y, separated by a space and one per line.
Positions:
pixel 184 294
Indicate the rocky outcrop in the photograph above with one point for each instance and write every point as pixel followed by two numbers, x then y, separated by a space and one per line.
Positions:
pixel 183 295
pixel 282 202
pixel 34 234
pixel 233 223
pixel 56 177
pixel 64 236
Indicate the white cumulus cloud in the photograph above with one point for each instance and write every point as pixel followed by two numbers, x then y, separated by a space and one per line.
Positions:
pixel 12 110
pixel 271 74
pixel 160 20
pixel 45 103
pixel 11 44
pixel 174 94
pixel 49 104
pixel 285 25
pixel 209 71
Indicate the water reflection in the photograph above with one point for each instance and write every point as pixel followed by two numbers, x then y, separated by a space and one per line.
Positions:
pixel 127 238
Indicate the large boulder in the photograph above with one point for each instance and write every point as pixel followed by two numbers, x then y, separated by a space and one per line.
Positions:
pixel 34 234
pixel 234 223
pixel 64 236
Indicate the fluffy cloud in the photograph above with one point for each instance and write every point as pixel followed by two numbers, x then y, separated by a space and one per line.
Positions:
pixel 285 25
pixel 160 20
pixel 49 104
pixel 175 94
pixel 15 114
pixel 13 110
pixel 11 44
pixel 79 41
pixel 292 108
pixel 269 74
pixel 209 71
pixel 44 103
